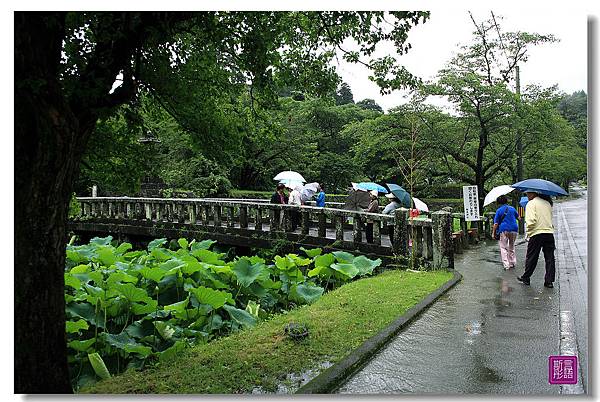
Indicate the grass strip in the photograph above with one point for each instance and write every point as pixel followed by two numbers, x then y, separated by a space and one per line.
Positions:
pixel 339 322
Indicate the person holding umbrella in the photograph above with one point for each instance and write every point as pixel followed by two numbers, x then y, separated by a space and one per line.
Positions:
pixel 540 230
pixel 373 208
pixel 505 223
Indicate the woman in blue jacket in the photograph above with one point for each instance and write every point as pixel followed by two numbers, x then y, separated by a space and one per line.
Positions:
pixel 505 223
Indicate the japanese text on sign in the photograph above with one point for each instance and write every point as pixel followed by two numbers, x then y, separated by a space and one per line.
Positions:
pixel 471 203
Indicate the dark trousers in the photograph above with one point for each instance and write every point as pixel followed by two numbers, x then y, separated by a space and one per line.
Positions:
pixel 391 232
pixel 542 241
pixel 369 232
pixel 295 219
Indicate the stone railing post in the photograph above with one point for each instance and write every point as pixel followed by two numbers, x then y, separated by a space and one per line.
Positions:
pixel 305 221
pixel 427 243
pixel 216 215
pixel 356 228
pixel 463 228
pixel 339 227
pixel 230 217
pixel 400 244
pixel 273 219
pixel 322 231
pixel 417 239
pixel 243 216
pixel 192 213
pixel 443 250
pixel 377 232
pixel 258 219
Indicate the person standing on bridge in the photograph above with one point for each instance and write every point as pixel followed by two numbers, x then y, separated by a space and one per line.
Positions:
pixel 505 223
pixel 540 230
pixel 321 196
pixel 389 210
pixel 279 196
pixel 295 199
pixel 373 208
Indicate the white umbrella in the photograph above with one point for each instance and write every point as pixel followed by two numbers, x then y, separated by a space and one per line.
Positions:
pixel 289 175
pixel 495 193
pixel 291 184
pixel 420 205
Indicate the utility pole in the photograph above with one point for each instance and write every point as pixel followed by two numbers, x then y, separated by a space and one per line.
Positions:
pixel 519 134
pixel 519 146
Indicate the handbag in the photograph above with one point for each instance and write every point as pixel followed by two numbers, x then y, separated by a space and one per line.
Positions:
pixel 497 237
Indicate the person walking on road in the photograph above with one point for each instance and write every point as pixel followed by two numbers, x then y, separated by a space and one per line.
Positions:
pixel 373 208
pixel 505 224
pixel 538 220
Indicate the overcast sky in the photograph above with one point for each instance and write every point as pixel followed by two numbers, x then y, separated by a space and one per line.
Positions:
pixel 563 63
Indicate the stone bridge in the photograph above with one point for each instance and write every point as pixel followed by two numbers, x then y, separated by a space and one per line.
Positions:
pixel 258 223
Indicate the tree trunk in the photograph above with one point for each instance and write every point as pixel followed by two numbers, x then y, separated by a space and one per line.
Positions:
pixel 48 148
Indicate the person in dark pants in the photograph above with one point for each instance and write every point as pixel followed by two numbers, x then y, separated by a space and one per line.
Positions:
pixel 373 208
pixel 538 219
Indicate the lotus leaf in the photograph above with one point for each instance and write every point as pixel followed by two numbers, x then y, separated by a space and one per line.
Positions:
pixel 98 366
pixel 130 292
pixel 305 293
pixel 171 352
pixel 72 281
pixel 312 252
pixel 82 346
pixel 183 243
pixel 365 266
pixel 156 243
pixel 124 342
pixel 76 326
pixel 214 298
pixel 343 257
pixel 164 329
pixel 202 245
pixel 348 270
pixel 240 316
pixel 246 274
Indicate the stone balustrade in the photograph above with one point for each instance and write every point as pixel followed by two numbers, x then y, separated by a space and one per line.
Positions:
pixel 431 239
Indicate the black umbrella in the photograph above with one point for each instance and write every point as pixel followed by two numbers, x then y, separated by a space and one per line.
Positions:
pixel 357 200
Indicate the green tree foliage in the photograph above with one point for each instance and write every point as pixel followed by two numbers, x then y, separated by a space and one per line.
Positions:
pixel 574 108
pixel 114 160
pixel 344 95
pixel 476 81
pixel 369 104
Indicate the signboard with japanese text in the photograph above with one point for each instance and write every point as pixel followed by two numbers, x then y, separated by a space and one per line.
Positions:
pixel 471 203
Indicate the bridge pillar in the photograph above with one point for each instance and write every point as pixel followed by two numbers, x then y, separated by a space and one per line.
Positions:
pixel 443 250
pixel 377 233
pixel 356 229
pixel 400 244
pixel 322 231
pixel 258 219
pixel 305 222
pixel 243 216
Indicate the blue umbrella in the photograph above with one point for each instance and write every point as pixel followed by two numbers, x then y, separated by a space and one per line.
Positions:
pixel 540 185
pixel 523 201
pixel 371 186
pixel 400 193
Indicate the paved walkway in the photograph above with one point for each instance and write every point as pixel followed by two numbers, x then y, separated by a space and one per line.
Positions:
pixel 490 333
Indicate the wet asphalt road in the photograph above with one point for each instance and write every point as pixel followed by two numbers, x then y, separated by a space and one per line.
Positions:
pixel 490 333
